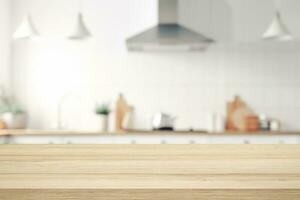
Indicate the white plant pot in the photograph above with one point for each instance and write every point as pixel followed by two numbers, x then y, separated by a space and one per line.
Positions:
pixel 103 123
pixel 14 121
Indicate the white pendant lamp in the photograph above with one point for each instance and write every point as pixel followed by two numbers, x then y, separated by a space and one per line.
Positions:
pixel 277 30
pixel 26 30
pixel 81 31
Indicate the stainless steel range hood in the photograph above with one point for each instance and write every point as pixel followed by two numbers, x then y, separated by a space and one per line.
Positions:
pixel 168 34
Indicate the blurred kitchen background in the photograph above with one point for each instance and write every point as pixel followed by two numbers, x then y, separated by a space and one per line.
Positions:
pixel 52 70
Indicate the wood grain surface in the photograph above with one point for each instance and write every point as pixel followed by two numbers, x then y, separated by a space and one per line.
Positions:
pixel 149 172
pixel 150 195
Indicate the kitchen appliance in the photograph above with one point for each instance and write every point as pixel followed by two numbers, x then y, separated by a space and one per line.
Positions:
pixel 168 34
pixel 274 125
pixel 162 121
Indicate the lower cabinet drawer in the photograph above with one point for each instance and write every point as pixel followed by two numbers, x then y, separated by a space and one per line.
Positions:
pixel 87 140
pixel 3 140
pixel 160 140
pixel 254 140
pixel 117 139
pixel 35 140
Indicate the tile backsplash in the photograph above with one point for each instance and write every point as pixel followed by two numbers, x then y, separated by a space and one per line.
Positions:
pixel 189 85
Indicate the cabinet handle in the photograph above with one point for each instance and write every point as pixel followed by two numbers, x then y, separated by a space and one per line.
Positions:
pixel 281 142
pixel 133 142
pixel 192 142
pixel 163 142
pixel 7 140
pixel 246 142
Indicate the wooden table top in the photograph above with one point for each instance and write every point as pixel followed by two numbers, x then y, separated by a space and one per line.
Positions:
pixel 150 166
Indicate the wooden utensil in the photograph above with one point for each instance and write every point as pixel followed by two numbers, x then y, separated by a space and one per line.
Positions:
pixel 121 109
pixel 231 108
pixel 2 125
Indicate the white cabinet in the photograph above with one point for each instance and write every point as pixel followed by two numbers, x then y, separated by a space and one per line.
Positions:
pixel 215 139
pixel 169 139
pixel 91 139
pixel 249 139
pixel 274 140
pixel 151 139
pixel 298 140
pixel 30 139
pixel 137 140
pixel 3 140
pixel 205 139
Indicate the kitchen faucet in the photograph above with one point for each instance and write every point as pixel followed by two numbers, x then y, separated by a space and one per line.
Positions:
pixel 60 125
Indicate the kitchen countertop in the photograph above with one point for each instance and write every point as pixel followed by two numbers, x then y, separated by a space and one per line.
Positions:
pixel 147 172
pixel 6 132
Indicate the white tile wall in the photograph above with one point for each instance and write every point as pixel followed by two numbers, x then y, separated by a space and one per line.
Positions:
pixel 5 42
pixel 188 85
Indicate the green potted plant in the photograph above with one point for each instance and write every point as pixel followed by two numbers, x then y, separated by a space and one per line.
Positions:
pixel 13 116
pixel 103 112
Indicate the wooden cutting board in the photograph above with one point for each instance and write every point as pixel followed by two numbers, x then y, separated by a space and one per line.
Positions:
pixel 240 116
pixel 231 108
pixel 237 115
pixel 121 109
pixel 2 125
